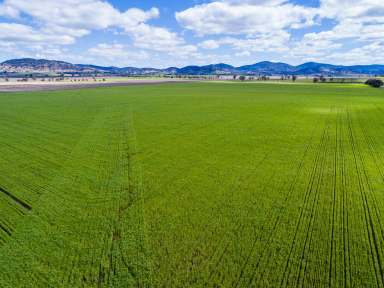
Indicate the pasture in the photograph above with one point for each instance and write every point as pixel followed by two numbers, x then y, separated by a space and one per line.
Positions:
pixel 193 185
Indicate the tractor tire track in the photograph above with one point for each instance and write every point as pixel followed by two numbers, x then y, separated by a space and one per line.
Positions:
pixel 371 232
pixel 314 176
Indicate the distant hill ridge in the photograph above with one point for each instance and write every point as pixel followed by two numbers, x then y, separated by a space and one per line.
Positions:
pixel 29 65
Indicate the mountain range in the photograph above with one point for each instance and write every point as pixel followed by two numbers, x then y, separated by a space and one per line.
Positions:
pixel 28 65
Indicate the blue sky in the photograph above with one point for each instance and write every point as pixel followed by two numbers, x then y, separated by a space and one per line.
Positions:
pixel 161 33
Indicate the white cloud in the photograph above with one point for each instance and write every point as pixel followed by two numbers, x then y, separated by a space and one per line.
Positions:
pixel 161 40
pixel 359 9
pixel 272 42
pixel 257 2
pixel 210 44
pixel 62 22
pixel 76 18
pixel 245 17
pixel 120 55
pixel 243 54
pixel 361 21
pixel 13 32
pixel 155 38
pixel 367 54
pixel 263 25
pixel 78 14
pixel 186 52
pixel 8 11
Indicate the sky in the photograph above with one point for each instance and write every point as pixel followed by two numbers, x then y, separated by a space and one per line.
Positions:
pixel 167 33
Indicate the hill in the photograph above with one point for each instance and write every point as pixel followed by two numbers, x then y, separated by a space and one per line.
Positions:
pixel 28 65
pixel 37 65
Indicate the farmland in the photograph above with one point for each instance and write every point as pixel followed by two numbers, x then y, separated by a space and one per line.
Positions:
pixel 193 185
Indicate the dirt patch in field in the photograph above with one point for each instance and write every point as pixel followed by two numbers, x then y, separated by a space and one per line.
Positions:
pixel 24 87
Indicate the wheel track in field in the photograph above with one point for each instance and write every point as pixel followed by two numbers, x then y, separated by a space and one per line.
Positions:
pixel 312 179
pixel 371 232
pixel 361 190
pixel 16 200
pixel 143 225
pixel 336 162
pixel 129 195
pixel 345 209
pixel 134 185
pixel 378 161
pixel 113 235
pixel 300 280
pixel 370 193
pixel 116 233
pixel 7 230
pixel 254 266
pixel 288 195
pixel 314 175
pixel 20 207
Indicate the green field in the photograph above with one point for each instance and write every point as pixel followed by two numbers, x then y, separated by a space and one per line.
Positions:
pixel 193 185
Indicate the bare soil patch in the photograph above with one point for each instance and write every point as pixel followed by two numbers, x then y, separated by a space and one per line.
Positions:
pixel 25 87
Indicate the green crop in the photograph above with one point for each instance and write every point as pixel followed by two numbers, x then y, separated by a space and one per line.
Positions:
pixel 193 185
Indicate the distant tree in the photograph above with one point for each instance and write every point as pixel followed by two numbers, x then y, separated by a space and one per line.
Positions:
pixel 234 77
pixel 242 78
pixel 294 78
pixel 315 80
pixel 376 83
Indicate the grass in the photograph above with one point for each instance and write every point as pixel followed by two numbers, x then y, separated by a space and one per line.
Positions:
pixel 193 185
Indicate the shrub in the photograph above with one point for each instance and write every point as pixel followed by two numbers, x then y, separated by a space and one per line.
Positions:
pixel 376 83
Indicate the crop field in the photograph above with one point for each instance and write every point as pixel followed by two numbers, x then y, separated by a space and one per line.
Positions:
pixel 193 185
